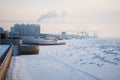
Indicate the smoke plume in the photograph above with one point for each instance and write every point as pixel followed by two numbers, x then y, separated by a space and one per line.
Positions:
pixel 50 15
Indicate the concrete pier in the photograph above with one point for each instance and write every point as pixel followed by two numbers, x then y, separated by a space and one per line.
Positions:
pixel 28 49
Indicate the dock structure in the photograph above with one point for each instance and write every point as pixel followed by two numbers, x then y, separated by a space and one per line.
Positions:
pixel 6 55
pixel 5 58
pixel 13 47
pixel 28 49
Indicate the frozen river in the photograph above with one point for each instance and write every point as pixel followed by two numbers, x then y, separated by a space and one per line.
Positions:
pixel 90 59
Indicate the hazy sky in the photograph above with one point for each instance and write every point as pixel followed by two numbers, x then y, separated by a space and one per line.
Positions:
pixel 102 16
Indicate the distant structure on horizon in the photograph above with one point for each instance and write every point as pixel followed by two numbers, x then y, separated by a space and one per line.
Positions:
pixel 63 33
pixel 25 30
pixel 1 30
pixel 78 35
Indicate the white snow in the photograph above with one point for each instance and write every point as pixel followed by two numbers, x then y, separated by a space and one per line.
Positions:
pixel 91 59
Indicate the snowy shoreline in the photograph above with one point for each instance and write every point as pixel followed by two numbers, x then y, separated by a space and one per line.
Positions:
pixel 91 59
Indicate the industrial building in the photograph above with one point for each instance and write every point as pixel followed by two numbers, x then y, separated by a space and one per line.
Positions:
pixel 25 30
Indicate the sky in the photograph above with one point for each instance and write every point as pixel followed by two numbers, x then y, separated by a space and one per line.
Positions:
pixel 72 16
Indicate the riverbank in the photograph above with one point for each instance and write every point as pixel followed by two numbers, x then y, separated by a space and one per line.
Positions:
pixel 92 59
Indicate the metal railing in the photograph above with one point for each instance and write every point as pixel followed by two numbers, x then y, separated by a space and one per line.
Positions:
pixel 2 58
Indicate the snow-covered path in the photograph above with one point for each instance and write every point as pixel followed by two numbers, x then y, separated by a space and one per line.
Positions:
pixel 49 67
pixel 77 60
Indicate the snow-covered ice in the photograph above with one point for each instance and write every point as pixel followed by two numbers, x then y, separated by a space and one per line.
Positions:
pixel 90 59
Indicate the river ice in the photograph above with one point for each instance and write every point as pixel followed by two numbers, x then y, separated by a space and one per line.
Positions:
pixel 86 59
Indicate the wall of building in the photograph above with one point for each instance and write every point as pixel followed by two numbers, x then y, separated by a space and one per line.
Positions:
pixel 25 30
